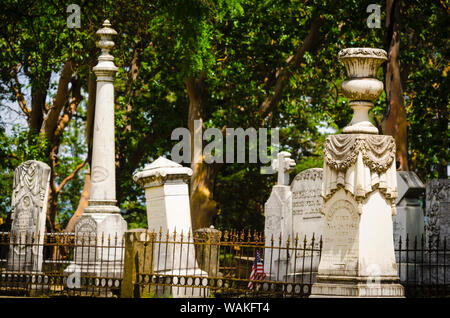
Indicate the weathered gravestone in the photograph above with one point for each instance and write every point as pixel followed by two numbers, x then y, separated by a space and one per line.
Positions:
pixel 438 232
pixel 307 221
pixel 409 218
pixel 29 210
pixel 408 223
pixel 278 220
pixel 168 212
pixel 438 211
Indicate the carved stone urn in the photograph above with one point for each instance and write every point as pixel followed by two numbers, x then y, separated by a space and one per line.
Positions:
pixel 362 87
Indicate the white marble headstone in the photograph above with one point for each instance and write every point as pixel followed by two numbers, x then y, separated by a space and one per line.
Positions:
pixel 307 203
pixel 307 218
pixel 278 219
pixel 277 229
pixel 29 210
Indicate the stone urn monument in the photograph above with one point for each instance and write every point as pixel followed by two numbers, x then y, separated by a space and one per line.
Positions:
pixel 359 189
pixel 362 87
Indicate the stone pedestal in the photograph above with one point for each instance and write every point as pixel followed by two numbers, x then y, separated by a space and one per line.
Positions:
pixel 359 191
pixel 29 210
pixel 168 213
pixel 208 250
pixel 358 249
pixel 139 245
pixel 99 247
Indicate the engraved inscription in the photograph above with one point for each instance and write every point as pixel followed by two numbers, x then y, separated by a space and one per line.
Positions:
pixel 307 203
pixel 86 230
pixel 306 194
pixel 341 234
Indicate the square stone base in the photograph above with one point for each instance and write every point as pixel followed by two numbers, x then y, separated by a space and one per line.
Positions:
pixel 356 287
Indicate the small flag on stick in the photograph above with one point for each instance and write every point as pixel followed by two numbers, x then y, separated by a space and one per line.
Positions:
pixel 257 272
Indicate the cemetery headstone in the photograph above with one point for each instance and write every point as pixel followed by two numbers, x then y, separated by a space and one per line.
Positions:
pixel 359 191
pixel 307 219
pixel 409 219
pixel 168 212
pixel 437 211
pixel 28 215
pixel 408 223
pixel 307 203
pixel 278 220
pixel 438 232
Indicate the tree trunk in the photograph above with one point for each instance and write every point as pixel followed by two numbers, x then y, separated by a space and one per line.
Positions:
pixel 203 207
pixel 82 204
pixel 38 97
pixel 394 121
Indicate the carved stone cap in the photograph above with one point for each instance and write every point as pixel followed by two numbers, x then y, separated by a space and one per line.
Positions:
pixel 105 69
pixel 106 30
pixel 310 174
pixel 161 171
pixel 362 52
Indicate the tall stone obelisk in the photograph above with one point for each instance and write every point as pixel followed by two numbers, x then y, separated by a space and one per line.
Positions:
pixel 359 189
pixel 101 222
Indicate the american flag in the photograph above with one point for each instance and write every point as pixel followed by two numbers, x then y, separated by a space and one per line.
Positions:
pixel 257 272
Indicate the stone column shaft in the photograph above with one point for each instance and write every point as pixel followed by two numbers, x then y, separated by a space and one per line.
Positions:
pixel 101 221
pixel 103 176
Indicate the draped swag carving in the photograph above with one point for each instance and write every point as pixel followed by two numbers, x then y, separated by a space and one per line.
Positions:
pixel 360 164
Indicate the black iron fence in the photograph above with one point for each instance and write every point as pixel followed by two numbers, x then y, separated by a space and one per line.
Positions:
pixel 206 264
pixel 60 264
pixel 423 266
pixel 227 264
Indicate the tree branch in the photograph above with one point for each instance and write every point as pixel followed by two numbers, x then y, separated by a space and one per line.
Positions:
pixel 19 95
pixel 73 174
pixel 283 74
pixel 60 100
pixel 69 109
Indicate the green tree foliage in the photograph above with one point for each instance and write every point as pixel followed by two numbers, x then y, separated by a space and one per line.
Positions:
pixel 246 53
